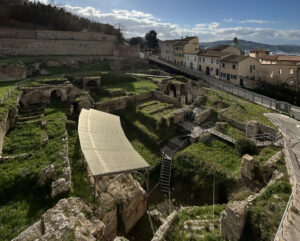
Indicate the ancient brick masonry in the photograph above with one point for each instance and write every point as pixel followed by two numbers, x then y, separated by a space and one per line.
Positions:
pixel 14 42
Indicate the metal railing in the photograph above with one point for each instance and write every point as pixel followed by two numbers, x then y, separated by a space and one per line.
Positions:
pixel 209 81
pixel 279 232
pixel 8 93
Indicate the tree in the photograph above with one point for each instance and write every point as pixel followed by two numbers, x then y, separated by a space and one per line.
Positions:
pixel 136 41
pixel 151 39
pixel 235 40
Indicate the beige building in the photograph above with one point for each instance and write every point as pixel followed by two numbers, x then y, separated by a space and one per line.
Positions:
pixel 209 61
pixel 258 53
pixel 174 50
pixel 228 49
pixel 278 69
pixel 240 70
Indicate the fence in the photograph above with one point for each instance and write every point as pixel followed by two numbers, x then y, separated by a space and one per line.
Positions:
pixel 7 94
pixel 290 202
pixel 209 81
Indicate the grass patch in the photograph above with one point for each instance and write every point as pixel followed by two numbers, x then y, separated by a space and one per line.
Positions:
pixel 236 108
pixel 218 154
pixel 22 201
pixel 180 230
pixel 80 185
pixel 266 212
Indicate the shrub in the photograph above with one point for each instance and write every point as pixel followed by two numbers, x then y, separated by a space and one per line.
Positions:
pixel 246 146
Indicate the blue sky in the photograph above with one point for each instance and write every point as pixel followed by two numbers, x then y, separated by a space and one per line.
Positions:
pixel 268 21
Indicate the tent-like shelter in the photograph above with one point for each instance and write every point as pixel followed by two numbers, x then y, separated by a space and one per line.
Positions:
pixel 105 147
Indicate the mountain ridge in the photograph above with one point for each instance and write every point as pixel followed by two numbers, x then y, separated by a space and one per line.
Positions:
pixel 249 45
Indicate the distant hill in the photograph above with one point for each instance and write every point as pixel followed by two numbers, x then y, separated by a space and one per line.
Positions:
pixel 248 45
pixel 36 15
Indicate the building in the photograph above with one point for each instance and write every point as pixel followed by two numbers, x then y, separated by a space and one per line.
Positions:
pixel 278 69
pixel 191 61
pixel 173 50
pixel 228 49
pixel 240 70
pixel 258 53
pixel 209 61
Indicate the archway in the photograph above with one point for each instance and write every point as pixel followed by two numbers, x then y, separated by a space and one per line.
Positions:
pixel 173 89
pixel 91 83
pixel 55 96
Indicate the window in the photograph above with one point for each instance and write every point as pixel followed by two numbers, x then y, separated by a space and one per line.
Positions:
pixel 233 66
pixel 211 60
pixel 203 59
pixel 218 61
pixel 280 71
pixel 195 58
pixel 223 65
pixel 291 71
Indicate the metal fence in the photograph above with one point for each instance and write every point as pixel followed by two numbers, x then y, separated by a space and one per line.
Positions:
pixel 7 94
pixel 259 99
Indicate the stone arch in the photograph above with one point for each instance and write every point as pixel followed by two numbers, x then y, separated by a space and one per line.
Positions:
pixel 92 83
pixel 172 90
pixel 56 95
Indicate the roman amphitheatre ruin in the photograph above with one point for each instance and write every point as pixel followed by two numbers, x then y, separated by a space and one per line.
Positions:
pixel 100 144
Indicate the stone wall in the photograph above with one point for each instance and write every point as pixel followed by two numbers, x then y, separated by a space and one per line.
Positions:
pixel 55 35
pixel 11 73
pixel 36 47
pixel 166 98
pixel 7 122
pixel 14 42
pixel 120 103
pixel 129 51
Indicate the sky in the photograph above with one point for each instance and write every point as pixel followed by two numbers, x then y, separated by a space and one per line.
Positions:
pixel 266 21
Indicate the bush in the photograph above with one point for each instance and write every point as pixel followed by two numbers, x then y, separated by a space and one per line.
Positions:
pixel 246 146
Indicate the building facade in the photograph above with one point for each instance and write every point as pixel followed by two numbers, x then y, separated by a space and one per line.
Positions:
pixel 240 70
pixel 173 50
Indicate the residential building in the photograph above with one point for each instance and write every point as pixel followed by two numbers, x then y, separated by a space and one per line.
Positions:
pixel 233 49
pixel 258 53
pixel 209 61
pixel 174 50
pixel 278 69
pixel 191 61
pixel 240 70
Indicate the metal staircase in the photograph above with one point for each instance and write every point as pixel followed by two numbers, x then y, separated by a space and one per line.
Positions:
pixel 168 153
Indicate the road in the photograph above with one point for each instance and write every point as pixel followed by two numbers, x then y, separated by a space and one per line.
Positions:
pixel 291 131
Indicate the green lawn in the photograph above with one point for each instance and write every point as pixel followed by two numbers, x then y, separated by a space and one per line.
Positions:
pixel 266 212
pixel 236 108
pixel 181 233
pixel 218 154
pixel 112 91
pixel 22 201
pixel 6 86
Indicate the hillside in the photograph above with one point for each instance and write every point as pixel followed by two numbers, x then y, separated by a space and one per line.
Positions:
pixel 36 15
pixel 248 45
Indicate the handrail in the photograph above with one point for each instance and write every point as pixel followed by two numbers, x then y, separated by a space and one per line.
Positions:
pixel 7 94
pixel 288 206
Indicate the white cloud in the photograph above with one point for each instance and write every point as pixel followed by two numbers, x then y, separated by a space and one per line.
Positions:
pixel 256 21
pixel 137 23
pixel 227 20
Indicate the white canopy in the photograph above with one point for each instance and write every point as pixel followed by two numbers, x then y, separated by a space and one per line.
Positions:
pixel 105 146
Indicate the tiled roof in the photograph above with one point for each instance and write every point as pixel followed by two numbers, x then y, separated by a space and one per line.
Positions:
pixel 221 47
pixel 234 58
pixel 259 50
pixel 211 53
pixel 288 58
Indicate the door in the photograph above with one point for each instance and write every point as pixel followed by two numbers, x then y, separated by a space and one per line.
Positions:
pixel 217 72
pixel 241 82
pixel 228 77
pixel 200 67
pixel 207 71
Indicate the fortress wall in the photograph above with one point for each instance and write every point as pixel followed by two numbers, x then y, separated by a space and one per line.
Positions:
pixel 55 35
pixel 32 47
pixel 14 42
